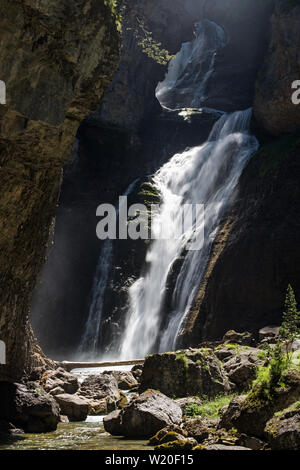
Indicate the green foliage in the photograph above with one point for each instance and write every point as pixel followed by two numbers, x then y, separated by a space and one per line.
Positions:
pixel 291 318
pixel 270 376
pixel 149 45
pixel 116 10
pixel 209 408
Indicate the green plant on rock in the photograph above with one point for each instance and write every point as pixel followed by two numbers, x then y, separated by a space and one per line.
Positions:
pixel 278 365
pixel 270 376
pixel 116 9
pixel 291 318
pixel 149 45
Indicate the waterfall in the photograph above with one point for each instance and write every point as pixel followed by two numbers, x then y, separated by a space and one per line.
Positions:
pixel 202 177
pixel 207 175
pixel 189 71
pixel 91 337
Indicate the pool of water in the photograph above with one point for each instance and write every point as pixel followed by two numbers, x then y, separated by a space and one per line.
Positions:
pixel 89 435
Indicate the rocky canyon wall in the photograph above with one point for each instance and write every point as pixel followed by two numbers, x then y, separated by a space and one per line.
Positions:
pixel 257 252
pixel 57 59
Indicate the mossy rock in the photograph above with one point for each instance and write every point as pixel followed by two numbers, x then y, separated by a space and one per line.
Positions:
pixel 176 445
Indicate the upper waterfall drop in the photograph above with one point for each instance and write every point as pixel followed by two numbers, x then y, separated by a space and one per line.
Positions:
pixel 189 71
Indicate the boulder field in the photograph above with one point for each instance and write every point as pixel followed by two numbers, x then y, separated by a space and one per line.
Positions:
pixel 201 398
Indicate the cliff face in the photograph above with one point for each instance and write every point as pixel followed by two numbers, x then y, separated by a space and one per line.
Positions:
pixel 273 106
pixel 257 252
pixel 57 59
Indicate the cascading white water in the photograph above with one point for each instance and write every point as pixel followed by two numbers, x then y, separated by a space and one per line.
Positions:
pixel 208 175
pixel 91 337
pixel 189 71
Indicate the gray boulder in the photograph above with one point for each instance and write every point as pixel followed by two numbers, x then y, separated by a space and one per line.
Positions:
pixel 100 386
pixel 144 416
pixel 53 379
pixel 73 406
pixel 241 368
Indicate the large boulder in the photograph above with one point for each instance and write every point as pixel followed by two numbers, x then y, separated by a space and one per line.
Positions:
pixel 101 392
pixel 185 373
pixel 144 416
pixel 100 386
pixel 73 406
pixel 53 379
pixel 28 407
pixel 283 431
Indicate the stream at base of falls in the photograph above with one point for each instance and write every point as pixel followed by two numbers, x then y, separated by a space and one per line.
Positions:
pixel 88 435
pixel 73 436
